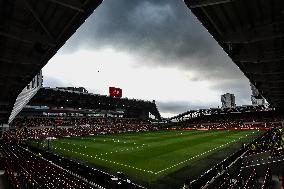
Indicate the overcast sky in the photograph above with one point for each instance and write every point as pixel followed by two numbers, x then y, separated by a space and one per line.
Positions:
pixel 153 50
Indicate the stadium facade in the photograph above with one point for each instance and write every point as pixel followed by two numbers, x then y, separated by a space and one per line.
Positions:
pixel 256 97
pixel 74 89
pixel 23 99
pixel 26 95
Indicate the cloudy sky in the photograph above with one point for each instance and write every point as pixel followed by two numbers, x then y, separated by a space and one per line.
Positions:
pixel 153 50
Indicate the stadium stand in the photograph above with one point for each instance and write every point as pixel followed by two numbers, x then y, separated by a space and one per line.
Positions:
pixel 217 111
pixel 251 33
pixel 244 30
pixel 73 121
pixel 247 120
pixel 54 127
pixel 47 127
pixel 56 97
pixel 39 169
pixel 254 166
pixel 31 34
pixel 223 175
pixel 27 170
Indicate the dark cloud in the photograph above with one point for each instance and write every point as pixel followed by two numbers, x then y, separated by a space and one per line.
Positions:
pixel 52 82
pixel 177 107
pixel 161 33
pixel 158 27
pixel 55 82
pixel 239 88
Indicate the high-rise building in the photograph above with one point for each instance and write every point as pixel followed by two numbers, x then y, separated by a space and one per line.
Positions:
pixel 256 97
pixel 228 100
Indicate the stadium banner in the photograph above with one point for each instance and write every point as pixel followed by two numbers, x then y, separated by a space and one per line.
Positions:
pixel 115 92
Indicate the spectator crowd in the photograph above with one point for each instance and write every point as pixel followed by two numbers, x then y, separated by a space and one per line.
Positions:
pixel 251 120
pixel 42 128
pixel 27 170
pixel 272 142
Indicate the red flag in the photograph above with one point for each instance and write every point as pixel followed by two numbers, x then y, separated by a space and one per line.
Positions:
pixel 115 92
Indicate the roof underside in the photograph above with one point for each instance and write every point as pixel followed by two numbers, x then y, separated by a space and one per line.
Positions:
pixel 252 34
pixel 31 32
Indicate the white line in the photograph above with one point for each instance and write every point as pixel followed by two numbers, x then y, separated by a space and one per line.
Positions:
pixel 102 159
pixel 148 171
pixel 106 153
pixel 194 157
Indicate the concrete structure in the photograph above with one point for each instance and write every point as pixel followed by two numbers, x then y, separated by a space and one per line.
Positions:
pixel 3 128
pixel 27 93
pixel 36 82
pixel 256 98
pixel 191 114
pixel 228 100
pixel 257 101
pixel 31 33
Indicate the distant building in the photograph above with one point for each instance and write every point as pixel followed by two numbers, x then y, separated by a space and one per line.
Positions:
pixel 228 100
pixel 74 89
pixel 256 97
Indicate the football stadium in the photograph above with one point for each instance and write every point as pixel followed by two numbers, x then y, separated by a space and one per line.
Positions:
pixel 70 138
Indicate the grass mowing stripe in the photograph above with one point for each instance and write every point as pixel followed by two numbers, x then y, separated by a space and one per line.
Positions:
pixel 107 160
pixel 164 152
pixel 194 157
pixel 181 151
pixel 144 169
pixel 171 165
pixel 116 151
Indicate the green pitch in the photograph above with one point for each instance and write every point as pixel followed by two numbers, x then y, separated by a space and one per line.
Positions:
pixel 149 156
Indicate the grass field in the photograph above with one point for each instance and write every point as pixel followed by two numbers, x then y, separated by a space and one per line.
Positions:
pixel 149 156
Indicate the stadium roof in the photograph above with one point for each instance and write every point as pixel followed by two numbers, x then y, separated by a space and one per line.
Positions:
pixel 55 97
pixel 31 32
pixel 252 34
pixel 212 111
